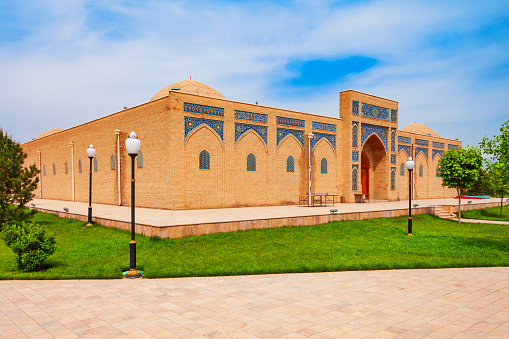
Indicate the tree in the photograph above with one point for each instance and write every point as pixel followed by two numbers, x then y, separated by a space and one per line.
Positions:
pixel 498 161
pixel 17 183
pixel 459 169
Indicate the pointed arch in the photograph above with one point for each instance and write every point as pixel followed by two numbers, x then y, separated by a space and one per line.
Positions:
pixel 290 136
pixel 199 128
pixel 327 142
pixel 256 134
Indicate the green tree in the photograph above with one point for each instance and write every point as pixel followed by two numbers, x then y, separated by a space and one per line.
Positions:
pixel 17 182
pixel 459 169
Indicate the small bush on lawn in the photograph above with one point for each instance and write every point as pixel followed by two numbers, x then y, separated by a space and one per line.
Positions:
pixel 30 243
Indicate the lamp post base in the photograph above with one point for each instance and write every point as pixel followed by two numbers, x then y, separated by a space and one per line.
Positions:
pixel 88 225
pixel 133 274
pixel 409 234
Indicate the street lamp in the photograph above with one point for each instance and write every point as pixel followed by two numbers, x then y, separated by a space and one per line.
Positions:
pixel 410 166
pixel 132 145
pixel 91 155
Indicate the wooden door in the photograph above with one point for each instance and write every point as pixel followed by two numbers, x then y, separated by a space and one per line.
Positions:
pixel 365 175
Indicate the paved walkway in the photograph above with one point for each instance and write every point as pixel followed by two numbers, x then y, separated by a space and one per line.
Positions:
pixel 441 303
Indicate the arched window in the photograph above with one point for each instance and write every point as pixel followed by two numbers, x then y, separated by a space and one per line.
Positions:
pixel 290 164
pixel 139 160
pixel 421 171
pixel 204 160
pixel 44 170
pixel 80 166
pixel 323 165
pixel 112 162
pixel 96 165
pixel 402 170
pixel 251 162
pixel 66 168
pixel 54 170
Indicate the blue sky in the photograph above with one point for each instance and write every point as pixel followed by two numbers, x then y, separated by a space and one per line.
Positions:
pixel 64 62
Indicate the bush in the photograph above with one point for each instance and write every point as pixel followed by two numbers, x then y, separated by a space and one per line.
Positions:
pixel 30 243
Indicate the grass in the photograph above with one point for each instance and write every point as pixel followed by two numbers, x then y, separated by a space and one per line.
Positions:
pixel 375 244
pixel 491 213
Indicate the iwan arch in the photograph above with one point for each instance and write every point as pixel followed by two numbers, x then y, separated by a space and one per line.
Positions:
pixel 200 150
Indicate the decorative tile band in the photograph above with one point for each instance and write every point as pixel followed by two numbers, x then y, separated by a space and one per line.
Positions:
pixel 355 174
pixel 404 148
pixel 283 132
pixel 290 122
pixel 367 130
pixel 251 116
pixel 404 140
pixel 421 142
pixel 421 149
pixel 324 127
pixel 192 123
pixel 319 136
pixel 393 140
pixel 355 155
pixel 202 109
pixel 240 129
pixel 453 146
pixel 355 107
pixel 438 144
pixel 435 152
pixel 355 134
pixel 394 115
pixel 393 159
pixel 375 112
pixel 393 178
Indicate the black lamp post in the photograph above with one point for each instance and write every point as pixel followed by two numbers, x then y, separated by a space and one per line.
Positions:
pixel 410 166
pixel 132 145
pixel 91 155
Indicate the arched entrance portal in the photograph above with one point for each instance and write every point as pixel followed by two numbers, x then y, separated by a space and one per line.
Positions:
pixel 374 169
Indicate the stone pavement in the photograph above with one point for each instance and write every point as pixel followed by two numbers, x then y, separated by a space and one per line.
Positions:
pixel 440 303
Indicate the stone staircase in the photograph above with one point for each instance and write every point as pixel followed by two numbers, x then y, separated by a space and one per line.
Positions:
pixel 441 213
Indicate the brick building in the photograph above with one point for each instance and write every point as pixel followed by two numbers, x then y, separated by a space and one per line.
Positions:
pixel 200 150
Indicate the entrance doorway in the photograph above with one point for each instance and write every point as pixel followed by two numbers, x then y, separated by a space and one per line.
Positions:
pixel 365 175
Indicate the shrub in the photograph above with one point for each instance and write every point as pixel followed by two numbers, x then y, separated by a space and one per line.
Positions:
pixel 30 243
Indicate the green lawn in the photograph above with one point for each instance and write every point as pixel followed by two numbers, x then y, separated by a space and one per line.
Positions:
pixel 101 252
pixel 491 213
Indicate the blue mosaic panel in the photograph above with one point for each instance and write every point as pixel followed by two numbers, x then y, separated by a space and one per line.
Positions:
pixel 283 132
pixel 421 142
pixel 376 112
pixel 251 116
pixel 435 152
pixel 355 155
pixel 393 140
pixel 453 146
pixel 421 149
pixel 393 178
pixel 202 109
pixel 405 148
pixel 355 133
pixel 393 159
pixel 324 127
pixel 404 140
pixel 355 175
pixel 192 123
pixel 240 129
pixel 355 107
pixel 290 122
pixel 394 115
pixel 438 144
pixel 367 130
pixel 319 136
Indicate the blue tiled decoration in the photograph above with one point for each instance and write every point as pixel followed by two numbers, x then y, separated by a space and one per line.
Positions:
pixel 283 132
pixel 393 159
pixel 210 110
pixel 394 115
pixel 324 127
pixel 355 155
pixel 435 152
pixel 393 178
pixel 393 140
pixel 404 140
pixel 251 116
pixel 438 144
pixel 367 130
pixel 376 112
pixel 290 122
pixel 192 123
pixel 421 149
pixel 319 136
pixel 421 142
pixel 355 175
pixel 240 129
pixel 355 133
pixel 355 107
pixel 405 148
pixel 452 146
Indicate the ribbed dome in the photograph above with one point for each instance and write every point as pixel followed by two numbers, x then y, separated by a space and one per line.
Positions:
pixel 420 128
pixel 51 131
pixel 190 87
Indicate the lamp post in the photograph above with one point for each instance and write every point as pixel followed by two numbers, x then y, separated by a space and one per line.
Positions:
pixel 132 145
pixel 410 166
pixel 91 155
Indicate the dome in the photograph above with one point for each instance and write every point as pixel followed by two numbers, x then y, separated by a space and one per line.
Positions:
pixel 420 129
pixel 51 131
pixel 190 87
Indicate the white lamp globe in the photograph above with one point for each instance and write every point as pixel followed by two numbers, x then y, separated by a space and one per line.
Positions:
pixel 132 144
pixel 410 164
pixel 91 151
